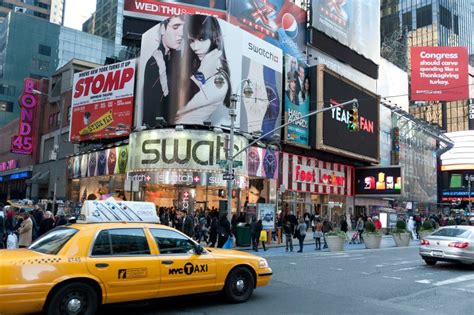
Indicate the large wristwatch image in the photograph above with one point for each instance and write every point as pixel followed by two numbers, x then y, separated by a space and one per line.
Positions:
pixel 269 164
pixel 253 161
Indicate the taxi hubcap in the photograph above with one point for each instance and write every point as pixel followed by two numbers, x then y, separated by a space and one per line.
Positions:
pixel 240 285
pixel 74 305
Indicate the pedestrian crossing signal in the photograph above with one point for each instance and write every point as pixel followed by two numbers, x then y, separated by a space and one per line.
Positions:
pixel 353 124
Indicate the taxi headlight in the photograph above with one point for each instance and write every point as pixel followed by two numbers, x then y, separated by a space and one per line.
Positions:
pixel 263 263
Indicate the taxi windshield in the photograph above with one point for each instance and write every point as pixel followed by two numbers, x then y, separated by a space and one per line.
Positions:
pixel 52 242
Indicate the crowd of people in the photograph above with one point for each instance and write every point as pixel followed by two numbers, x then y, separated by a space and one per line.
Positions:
pixel 19 227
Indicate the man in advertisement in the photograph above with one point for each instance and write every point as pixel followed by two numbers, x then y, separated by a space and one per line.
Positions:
pixel 160 84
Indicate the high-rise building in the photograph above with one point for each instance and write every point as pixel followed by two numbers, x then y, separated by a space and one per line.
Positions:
pixel 106 21
pixel 51 10
pixel 31 47
pixel 407 23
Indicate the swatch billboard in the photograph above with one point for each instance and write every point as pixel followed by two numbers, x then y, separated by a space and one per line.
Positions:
pixel 297 95
pixel 279 22
pixel 162 9
pixel 353 23
pixel 102 102
pixel 190 65
pixel 439 73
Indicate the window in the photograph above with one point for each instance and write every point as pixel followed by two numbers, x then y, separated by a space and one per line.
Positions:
pixel 424 17
pixel 445 17
pixel 456 24
pixel 44 50
pixel 456 180
pixel 6 106
pixel 119 242
pixel 171 242
pixel 452 232
pixel 52 242
pixel 406 21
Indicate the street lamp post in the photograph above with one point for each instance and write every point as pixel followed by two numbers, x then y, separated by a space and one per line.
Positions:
pixel 231 156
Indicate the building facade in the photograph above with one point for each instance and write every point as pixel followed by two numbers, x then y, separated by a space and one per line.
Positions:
pixel 50 10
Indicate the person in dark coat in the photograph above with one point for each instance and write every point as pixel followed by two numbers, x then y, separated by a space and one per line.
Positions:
pixel 188 224
pixel 223 231
pixel 344 224
pixel 254 237
pixel 2 230
pixel 213 230
pixel 61 218
pixel 47 223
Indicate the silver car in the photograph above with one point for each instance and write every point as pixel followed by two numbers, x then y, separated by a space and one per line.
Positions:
pixel 450 243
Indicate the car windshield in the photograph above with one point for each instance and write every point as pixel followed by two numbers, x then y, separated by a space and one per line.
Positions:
pixel 52 242
pixel 453 232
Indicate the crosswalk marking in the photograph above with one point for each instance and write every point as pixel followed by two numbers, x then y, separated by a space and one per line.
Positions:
pixel 424 281
pixel 454 280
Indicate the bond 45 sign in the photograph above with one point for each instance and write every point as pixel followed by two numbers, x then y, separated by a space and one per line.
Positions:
pixel 102 102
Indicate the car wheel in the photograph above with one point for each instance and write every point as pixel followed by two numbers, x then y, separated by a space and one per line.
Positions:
pixel 239 285
pixel 73 299
pixel 430 262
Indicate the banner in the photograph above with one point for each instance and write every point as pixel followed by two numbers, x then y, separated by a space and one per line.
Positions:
pixel 279 22
pixel 378 181
pixel 190 66
pixel 262 163
pixel 439 73
pixel 112 161
pixel 162 9
pixel 102 102
pixel 23 142
pixel 266 213
pixel 297 96
pixel 353 23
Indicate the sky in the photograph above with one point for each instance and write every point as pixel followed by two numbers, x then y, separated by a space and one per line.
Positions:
pixel 77 12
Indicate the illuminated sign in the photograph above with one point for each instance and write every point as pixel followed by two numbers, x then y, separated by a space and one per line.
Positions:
pixel 378 181
pixel 8 165
pixel 22 143
pixel 16 176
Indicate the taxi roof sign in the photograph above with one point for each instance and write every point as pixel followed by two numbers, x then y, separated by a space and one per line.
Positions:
pixel 111 210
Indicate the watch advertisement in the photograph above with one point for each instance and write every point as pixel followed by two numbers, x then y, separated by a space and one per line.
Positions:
pixel 297 101
pixel 262 163
pixel 266 213
pixel 378 180
pixel 112 161
pixel 190 65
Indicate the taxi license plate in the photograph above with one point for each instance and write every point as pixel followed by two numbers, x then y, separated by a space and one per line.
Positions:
pixel 437 253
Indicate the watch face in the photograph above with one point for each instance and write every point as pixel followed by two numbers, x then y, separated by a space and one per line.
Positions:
pixel 101 163
pixel 122 160
pixel 269 164
pixel 92 164
pixel 253 159
pixel 84 163
pixel 111 161
pixel 273 110
pixel 77 167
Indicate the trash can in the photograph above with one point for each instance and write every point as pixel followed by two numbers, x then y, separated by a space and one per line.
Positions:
pixel 242 237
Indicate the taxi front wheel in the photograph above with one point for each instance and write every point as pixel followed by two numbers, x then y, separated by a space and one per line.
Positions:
pixel 73 299
pixel 239 285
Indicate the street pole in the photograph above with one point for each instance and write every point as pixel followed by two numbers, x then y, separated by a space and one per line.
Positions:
pixel 57 147
pixel 231 156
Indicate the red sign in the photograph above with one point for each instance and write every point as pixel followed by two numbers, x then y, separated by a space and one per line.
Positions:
pixel 8 165
pixel 22 143
pixel 102 102
pixel 158 10
pixel 439 73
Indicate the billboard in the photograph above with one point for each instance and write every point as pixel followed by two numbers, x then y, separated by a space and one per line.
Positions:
pixel 439 73
pixel 190 65
pixel 112 161
pixel 23 142
pixel 161 9
pixel 332 133
pixel 262 162
pixel 297 96
pixel 378 181
pixel 102 102
pixel 353 23
pixel 279 22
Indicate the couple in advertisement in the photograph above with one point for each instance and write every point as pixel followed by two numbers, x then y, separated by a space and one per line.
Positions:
pixel 179 77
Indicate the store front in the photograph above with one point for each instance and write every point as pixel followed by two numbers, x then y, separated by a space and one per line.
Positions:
pixel 13 183
pixel 316 187
pixel 184 169
pixel 98 174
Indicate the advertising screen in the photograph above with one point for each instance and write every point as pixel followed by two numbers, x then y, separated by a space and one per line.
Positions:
pixel 191 65
pixel 333 134
pixel 279 22
pixel 102 102
pixel 297 95
pixel 347 21
pixel 161 9
pixel 378 181
pixel 439 73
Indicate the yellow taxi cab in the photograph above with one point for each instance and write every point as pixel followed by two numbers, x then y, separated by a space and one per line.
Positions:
pixel 73 269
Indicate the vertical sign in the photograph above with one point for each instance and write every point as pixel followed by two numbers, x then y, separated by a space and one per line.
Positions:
pixel 471 114
pixel 22 143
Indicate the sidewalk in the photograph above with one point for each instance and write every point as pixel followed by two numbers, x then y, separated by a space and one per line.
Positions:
pixel 387 242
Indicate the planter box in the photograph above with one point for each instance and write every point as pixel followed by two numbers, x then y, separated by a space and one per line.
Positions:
pixel 335 243
pixel 402 239
pixel 424 234
pixel 372 240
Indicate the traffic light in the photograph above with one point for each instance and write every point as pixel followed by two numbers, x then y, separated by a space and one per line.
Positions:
pixel 353 122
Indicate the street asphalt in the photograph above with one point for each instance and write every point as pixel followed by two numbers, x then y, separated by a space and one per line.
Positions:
pixel 389 280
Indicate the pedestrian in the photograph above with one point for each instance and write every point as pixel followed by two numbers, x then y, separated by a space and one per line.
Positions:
pixel 224 231
pixel 377 223
pixel 213 227
pixel 25 231
pixel 2 228
pixel 47 223
pixel 307 219
pixel 288 230
pixel 411 227
pixel 360 228
pixel 301 230
pixel 262 234
pixel 233 224
pixel 61 218
pixel 254 234
pixel 344 225
pixel 318 233
pixel 188 224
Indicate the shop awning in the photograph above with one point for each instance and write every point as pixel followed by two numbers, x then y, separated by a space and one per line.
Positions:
pixel 39 178
pixel 33 179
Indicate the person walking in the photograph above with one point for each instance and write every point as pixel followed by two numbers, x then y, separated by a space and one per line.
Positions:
pixel 188 224
pixel 254 234
pixel 25 231
pixel 288 230
pixel 2 228
pixel 47 223
pixel 301 233
pixel 327 227
pixel 344 225
pixel 224 231
pixel 261 237
pixel 360 228
pixel 318 233
pixel 213 227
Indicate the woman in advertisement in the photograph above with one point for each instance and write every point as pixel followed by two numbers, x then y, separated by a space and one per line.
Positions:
pixel 207 59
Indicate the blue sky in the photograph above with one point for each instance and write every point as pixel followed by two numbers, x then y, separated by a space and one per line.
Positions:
pixel 77 12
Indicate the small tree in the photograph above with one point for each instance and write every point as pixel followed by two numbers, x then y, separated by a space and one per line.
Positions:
pixel 370 227
pixel 427 226
pixel 451 222
pixel 401 225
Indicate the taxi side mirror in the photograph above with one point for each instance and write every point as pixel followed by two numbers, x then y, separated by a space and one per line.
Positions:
pixel 198 249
